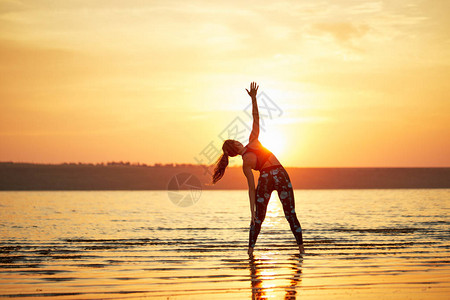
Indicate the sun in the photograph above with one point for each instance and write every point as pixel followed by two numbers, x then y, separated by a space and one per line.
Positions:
pixel 273 140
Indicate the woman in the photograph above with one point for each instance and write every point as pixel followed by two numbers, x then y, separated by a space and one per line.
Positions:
pixel 272 177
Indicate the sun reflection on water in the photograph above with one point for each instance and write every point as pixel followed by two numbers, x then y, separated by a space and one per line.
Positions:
pixel 273 277
pixel 274 212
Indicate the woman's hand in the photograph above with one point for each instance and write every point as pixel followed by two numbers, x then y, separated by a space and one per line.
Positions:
pixel 253 89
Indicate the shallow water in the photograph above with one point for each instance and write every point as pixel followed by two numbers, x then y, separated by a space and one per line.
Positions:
pixel 359 243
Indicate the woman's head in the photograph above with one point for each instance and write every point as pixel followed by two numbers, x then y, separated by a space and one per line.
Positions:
pixel 229 148
pixel 232 147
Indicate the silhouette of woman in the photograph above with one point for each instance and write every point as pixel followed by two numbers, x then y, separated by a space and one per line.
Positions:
pixel 272 177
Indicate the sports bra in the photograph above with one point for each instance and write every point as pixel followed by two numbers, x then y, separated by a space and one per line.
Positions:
pixel 262 155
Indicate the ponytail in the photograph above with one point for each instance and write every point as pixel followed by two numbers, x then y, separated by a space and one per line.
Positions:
pixel 229 149
pixel 221 165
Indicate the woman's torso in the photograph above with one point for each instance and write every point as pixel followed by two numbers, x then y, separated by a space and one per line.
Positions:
pixel 264 158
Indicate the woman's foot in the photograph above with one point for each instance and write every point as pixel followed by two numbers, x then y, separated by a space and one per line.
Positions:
pixel 301 249
pixel 250 251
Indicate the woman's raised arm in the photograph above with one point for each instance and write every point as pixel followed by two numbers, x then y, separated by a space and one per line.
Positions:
pixel 255 129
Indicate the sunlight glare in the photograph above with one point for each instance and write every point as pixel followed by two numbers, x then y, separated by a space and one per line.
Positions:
pixel 273 140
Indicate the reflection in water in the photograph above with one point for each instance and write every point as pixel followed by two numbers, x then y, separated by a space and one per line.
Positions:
pixel 266 276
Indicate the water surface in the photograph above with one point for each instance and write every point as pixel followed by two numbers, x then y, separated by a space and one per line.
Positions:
pixel 359 243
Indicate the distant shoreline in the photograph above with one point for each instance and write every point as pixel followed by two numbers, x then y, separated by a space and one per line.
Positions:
pixel 126 176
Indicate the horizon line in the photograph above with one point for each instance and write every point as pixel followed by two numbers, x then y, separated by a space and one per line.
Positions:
pixel 138 164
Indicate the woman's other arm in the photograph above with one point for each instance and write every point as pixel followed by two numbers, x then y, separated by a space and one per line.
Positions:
pixel 251 187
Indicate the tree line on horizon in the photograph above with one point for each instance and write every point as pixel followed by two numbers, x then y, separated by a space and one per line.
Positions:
pixel 102 164
pixel 130 176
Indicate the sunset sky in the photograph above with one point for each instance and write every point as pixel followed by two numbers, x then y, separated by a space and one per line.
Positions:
pixel 358 83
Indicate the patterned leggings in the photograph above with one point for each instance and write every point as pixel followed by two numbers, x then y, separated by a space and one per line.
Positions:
pixel 275 178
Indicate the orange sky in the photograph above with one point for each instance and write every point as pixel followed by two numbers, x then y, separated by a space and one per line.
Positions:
pixel 358 83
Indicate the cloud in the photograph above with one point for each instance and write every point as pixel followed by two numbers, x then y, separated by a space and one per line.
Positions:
pixel 27 67
pixel 7 6
pixel 344 33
